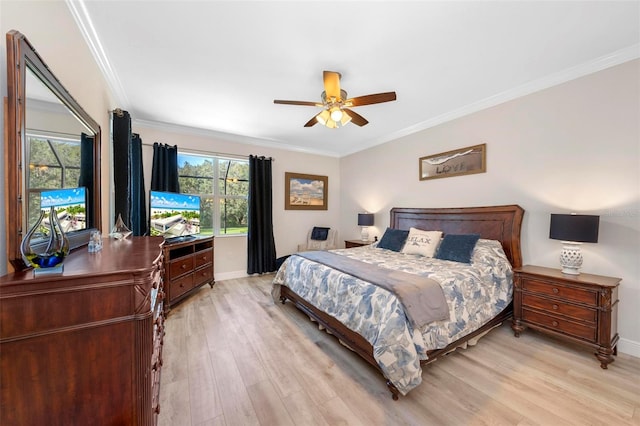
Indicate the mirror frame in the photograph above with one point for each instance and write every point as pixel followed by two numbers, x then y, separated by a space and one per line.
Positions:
pixel 20 55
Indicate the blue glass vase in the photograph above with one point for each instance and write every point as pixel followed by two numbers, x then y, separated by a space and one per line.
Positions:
pixel 45 245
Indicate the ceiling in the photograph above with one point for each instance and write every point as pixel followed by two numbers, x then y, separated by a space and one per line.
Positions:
pixel 215 67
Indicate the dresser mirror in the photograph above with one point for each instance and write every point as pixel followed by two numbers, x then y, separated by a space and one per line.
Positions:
pixel 52 143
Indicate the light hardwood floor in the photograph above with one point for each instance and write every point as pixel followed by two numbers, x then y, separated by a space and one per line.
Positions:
pixel 234 357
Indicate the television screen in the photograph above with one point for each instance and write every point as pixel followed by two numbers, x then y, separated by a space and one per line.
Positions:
pixel 173 215
pixel 70 205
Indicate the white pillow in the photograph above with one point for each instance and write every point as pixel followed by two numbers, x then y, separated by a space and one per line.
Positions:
pixel 422 242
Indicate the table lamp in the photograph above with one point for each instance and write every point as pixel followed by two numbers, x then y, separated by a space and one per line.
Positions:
pixel 365 220
pixel 573 230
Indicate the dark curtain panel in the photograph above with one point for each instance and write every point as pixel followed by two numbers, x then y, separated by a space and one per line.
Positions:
pixel 164 173
pixel 86 174
pixel 128 175
pixel 261 247
pixel 138 194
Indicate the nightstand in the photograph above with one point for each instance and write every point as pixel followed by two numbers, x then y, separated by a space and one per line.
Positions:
pixel 580 308
pixel 356 243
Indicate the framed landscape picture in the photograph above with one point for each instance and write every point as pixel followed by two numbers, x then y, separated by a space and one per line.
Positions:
pixel 305 192
pixel 463 161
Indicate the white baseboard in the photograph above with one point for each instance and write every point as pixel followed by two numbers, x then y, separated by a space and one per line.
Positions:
pixel 231 275
pixel 629 347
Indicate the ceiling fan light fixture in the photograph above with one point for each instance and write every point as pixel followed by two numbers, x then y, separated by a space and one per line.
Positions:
pixel 336 114
pixel 337 105
pixel 323 118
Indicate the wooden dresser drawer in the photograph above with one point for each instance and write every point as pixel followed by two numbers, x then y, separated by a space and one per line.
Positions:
pixel 203 275
pixel 181 266
pixel 552 322
pixel 561 291
pixel 181 285
pixel 556 307
pixel 204 257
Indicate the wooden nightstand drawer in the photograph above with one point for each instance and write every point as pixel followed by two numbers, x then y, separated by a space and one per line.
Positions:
pixel 556 307
pixel 356 243
pixel 560 291
pixel 558 324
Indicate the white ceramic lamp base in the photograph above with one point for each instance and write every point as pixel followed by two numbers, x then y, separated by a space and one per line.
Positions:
pixel 364 234
pixel 570 258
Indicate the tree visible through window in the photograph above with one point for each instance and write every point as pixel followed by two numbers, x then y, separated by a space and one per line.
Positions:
pixel 223 186
pixel 54 163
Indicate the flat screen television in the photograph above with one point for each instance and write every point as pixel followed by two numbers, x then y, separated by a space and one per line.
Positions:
pixel 70 205
pixel 174 216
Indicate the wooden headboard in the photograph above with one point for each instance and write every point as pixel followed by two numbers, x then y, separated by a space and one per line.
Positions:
pixel 500 223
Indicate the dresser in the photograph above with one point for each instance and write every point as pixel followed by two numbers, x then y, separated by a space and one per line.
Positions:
pixel 580 308
pixel 84 347
pixel 188 266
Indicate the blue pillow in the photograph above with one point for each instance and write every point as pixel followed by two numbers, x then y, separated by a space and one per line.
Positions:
pixel 457 247
pixel 393 239
pixel 319 234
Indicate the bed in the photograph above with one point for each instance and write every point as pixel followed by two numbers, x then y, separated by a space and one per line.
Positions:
pixel 371 321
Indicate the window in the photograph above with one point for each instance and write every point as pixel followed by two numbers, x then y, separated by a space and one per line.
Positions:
pixel 54 163
pixel 223 186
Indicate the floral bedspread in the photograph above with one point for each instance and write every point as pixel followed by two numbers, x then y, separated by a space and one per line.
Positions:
pixel 475 293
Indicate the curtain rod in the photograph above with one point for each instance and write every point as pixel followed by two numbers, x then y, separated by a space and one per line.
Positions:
pixel 215 154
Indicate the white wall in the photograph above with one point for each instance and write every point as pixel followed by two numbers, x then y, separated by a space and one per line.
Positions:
pixel 571 148
pixel 50 28
pixel 290 226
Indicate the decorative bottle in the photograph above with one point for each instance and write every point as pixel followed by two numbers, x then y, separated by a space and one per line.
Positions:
pixel 45 245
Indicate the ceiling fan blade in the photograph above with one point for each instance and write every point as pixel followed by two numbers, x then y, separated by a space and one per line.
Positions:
pixel 331 84
pixel 303 103
pixel 355 117
pixel 313 121
pixel 371 99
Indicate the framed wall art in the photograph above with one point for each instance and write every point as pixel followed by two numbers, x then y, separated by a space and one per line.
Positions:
pixel 305 192
pixel 463 161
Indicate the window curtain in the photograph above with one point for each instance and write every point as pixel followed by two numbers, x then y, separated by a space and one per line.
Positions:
pixel 164 172
pixel 261 247
pixel 128 174
pixel 86 174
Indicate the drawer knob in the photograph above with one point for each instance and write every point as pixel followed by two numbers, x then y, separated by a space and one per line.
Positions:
pixel 555 307
pixel 555 323
pixel 555 290
pixel 185 267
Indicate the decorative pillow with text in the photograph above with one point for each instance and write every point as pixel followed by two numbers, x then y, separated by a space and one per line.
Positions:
pixel 422 242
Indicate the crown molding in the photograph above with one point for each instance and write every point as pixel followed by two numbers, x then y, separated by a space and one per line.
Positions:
pixel 85 25
pixel 615 58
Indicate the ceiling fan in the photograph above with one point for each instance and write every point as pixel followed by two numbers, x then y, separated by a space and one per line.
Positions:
pixel 335 104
